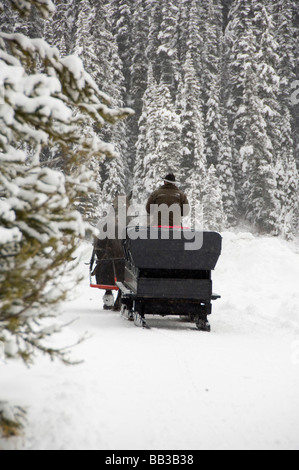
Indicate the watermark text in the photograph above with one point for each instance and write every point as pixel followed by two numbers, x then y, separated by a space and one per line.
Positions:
pixel 123 220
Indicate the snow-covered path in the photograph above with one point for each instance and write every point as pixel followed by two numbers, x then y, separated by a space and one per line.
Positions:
pixel 173 387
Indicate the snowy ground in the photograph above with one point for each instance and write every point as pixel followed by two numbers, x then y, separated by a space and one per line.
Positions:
pixel 173 387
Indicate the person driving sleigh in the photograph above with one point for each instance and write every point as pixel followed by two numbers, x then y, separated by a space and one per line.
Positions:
pixel 168 205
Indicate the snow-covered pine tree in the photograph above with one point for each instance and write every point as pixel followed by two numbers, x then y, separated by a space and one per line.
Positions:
pixel 113 82
pixel 225 174
pixel 168 149
pixel 139 65
pixel 261 203
pixel 85 46
pixel 138 74
pixel 267 63
pixel 114 179
pixel 285 37
pixel 191 34
pixel 147 156
pixel 287 179
pixel 214 218
pixel 58 28
pixel 159 145
pixel 39 223
pixel 32 25
pixel 195 184
pixel 121 15
pixel 149 132
pixel 35 27
pixel 58 33
pixel 190 109
pixel 295 106
pixel 97 47
pixel 236 57
pixel 211 78
pixel 236 34
pixel 194 164
pixel 8 17
pixel 190 106
pixel 287 48
pixel 286 165
pixel 277 116
pixel 154 14
pixel 168 47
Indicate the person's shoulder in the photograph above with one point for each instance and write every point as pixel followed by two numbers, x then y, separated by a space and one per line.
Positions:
pixel 157 191
pixel 153 195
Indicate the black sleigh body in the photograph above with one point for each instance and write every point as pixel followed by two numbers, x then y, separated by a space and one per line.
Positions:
pixel 169 272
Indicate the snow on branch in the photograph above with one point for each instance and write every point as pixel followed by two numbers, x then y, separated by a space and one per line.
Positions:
pixel 53 102
pixel 45 7
pixel 12 419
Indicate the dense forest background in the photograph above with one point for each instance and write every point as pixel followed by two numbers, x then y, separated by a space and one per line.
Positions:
pixel 213 84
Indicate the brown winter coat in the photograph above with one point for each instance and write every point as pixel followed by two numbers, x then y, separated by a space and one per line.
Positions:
pixel 170 195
